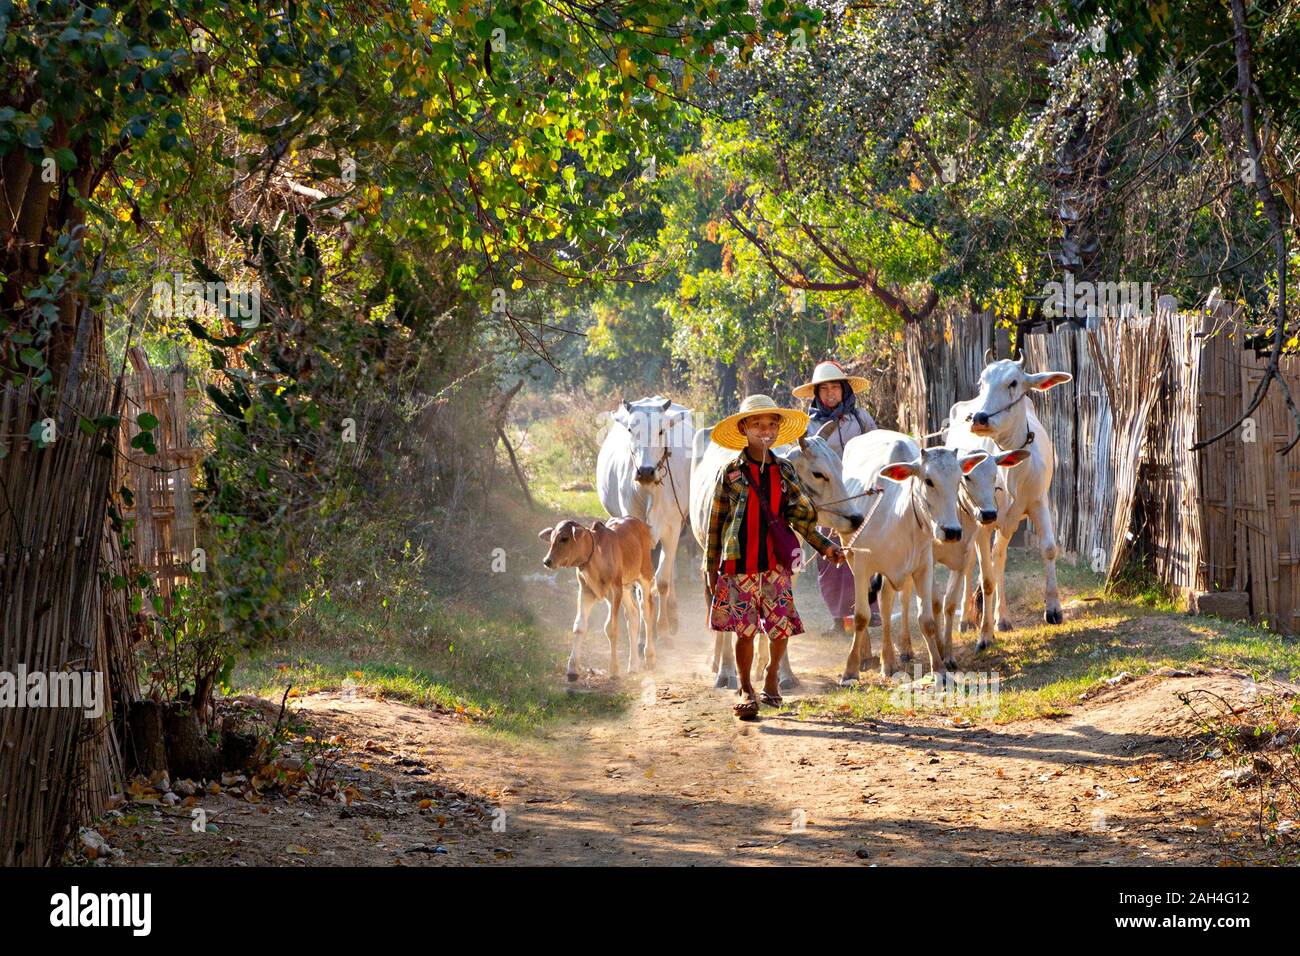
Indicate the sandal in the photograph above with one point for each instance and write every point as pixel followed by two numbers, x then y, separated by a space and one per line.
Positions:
pixel 772 700
pixel 746 709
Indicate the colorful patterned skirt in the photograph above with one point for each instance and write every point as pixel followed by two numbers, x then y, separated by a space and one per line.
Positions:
pixel 743 602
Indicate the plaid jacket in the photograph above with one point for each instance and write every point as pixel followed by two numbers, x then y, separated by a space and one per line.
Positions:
pixel 727 513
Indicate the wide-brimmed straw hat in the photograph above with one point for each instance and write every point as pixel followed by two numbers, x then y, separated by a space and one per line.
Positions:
pixel 793 423
pixel 829 372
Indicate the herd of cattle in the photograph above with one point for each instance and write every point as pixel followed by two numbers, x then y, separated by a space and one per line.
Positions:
pixel 903 507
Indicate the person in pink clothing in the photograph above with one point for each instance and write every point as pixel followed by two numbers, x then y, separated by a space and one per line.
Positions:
pixel 834 395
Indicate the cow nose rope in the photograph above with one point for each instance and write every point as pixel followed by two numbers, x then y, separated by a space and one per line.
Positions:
pixel 919 523
pixel 591 552
pixel 848 545
pixel 662 467
pixel 1011 404
pixel 942 428
pixel 968 502
pixel 672 483
pixel 1029 432
pixel 836 501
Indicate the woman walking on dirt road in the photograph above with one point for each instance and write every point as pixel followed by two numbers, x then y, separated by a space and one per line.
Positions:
pixel 834 395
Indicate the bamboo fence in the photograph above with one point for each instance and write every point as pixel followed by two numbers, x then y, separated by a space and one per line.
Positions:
pixel 1132 355
pixel 161 485
pixel 57 765
pixel 1217 526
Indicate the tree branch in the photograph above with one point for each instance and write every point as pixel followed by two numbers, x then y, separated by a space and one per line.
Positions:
pixel 1247 91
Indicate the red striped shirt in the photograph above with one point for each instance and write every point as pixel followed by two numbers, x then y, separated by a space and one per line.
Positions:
pixel 755 541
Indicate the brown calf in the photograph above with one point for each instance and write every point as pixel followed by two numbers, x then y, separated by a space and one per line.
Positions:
pixel 610 558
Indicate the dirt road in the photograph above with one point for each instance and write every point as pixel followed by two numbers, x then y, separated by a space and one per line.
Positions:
pixel 676 779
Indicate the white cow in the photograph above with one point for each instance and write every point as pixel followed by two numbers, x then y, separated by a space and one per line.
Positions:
pixel 1001 418
pixel 819 471
pixel 644 471
pixel 982 494
pixel 916 507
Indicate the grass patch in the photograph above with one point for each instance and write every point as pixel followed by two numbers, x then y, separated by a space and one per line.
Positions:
pixel 498 670
pixel 548 490
pixel 1043 669
pixel 561 450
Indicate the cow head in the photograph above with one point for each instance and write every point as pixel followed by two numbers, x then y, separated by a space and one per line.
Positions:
pixel 998 411
pixel 979 485
pixel 571 545
pixel 935 478
pixel 821 473
pixel 656 427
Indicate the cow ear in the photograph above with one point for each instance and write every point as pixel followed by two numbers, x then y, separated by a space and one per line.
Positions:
pixel 1045 380
pixel 1012 458
pixel 901 470
pixel 970 460
pixel 595 525
pixel 627 406
pixel 545 534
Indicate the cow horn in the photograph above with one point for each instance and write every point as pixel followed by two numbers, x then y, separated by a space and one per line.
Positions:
pixel 803 443
pixel 667 405
pixel 825 430
pixel 1021 361
pixel 989 356
pixel 627 405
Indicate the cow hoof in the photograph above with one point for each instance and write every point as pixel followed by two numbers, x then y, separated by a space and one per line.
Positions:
pixel 571 676
pixel 906 657
pixel 950 663
pixel 983 645
pixel 966 626
pixel 1053 616
pixel 727 682
pixel 788 683
pixel 1005 626
pixel 848 682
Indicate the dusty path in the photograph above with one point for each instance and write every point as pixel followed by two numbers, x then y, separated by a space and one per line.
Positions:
pixel 681 781
pixel 678 780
